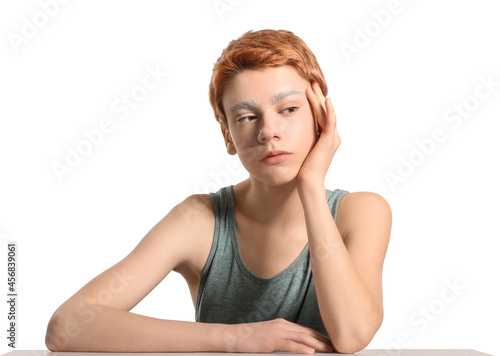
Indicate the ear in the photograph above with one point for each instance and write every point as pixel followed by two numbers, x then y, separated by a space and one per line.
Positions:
pixel 229 143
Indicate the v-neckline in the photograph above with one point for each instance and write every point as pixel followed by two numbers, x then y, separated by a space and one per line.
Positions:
pixel 237 253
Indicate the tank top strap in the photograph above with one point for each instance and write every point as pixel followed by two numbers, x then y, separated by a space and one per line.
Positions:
pixel 221 249
pixel 333 199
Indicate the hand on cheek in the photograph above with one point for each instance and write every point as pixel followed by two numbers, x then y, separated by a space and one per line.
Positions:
pixel 316 164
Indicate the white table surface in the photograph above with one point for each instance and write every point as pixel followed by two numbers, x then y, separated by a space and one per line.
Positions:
pixel 366 352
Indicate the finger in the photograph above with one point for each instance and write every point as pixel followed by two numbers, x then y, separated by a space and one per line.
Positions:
pixel 292 346
pixel 317 90
pixel 311 340
pixel 317 108
pixel 331 118
pixel 296 331
pixel 320 337
pixel 305 334
pixel 291 326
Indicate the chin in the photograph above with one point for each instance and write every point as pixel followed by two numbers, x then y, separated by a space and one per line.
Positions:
pixel 276 179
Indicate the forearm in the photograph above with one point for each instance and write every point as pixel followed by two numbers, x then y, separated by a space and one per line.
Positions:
pixel 104 329
pixel 348 309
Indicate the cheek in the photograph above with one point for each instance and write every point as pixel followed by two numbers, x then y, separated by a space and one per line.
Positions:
pixel 311 120
pixel 246 149
pixel 309 124
pixel 308 132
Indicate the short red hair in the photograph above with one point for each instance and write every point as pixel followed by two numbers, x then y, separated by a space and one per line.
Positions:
pixel 259 50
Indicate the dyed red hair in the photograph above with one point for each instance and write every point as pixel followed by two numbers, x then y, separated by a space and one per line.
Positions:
pixel 259 50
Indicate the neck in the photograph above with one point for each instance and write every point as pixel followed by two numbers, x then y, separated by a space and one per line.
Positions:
pixel 272 207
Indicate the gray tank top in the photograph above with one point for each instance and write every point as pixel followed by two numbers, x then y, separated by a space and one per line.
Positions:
pixel 229 293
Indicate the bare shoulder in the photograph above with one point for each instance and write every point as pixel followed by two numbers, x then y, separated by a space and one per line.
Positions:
pixel 360 211
pixel 198 219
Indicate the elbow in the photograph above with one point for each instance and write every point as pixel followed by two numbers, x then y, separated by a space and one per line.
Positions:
pixel 350 345
pixel 354 341
pixel 50 335
pixel 61 331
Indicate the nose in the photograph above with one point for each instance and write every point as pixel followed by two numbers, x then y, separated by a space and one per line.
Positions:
pixel 270 129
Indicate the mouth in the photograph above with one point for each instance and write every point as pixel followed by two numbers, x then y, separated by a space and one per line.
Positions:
pixel 273 157
pixel 274 153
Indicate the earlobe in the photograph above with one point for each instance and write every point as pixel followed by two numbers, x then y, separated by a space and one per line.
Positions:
pixel 230 147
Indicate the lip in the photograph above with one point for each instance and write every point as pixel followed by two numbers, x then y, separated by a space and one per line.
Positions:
pixel 274 153
pixel 273 157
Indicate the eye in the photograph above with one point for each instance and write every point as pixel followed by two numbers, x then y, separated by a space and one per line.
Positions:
pixel 291 109
pixel 246 117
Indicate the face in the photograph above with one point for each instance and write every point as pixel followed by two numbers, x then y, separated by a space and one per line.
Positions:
pixel 268 110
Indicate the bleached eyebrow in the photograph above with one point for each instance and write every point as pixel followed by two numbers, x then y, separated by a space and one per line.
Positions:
pixel 282 95
pixel 247 104
pixel 276 98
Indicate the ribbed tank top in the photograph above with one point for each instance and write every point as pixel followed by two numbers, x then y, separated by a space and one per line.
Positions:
pixel 229 293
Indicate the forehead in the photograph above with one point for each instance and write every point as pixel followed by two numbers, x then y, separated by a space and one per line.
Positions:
pixel 261 84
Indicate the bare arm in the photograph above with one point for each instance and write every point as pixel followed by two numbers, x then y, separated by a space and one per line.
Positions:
pixel 348 272
pixel 97 317
pixel 106 329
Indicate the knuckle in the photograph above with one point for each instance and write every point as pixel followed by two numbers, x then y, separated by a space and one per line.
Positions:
pixel 289 345
pixel 279 321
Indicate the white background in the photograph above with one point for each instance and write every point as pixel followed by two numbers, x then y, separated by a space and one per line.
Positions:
pixel 426 60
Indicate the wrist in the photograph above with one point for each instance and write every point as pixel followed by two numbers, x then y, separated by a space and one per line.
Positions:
pixel 310 187
pixel 225 337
